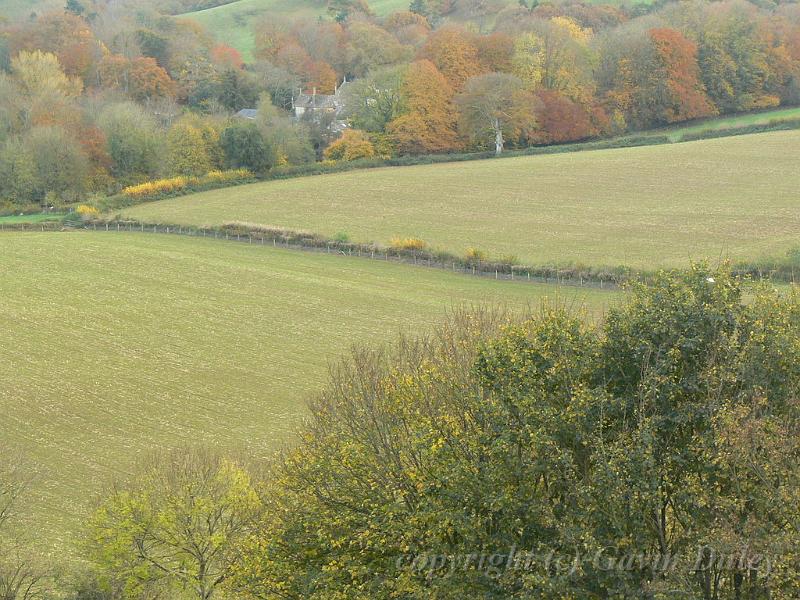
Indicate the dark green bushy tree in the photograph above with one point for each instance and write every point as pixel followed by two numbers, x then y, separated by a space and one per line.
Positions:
pixel 245 147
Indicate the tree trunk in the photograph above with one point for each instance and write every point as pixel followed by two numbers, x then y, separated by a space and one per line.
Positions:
pixel 499 142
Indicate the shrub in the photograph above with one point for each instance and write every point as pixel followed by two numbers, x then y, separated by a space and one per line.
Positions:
pixel 508 259
pixel 474 255
pixel 165 187
pixel 411 243
pixel 157 188
pixel 341 237
pixel 86 212
pixel 353 145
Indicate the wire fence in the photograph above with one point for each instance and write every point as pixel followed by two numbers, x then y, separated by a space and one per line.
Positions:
pixel 308 242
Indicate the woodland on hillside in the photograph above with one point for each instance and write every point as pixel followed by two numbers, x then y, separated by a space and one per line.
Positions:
pixel 101 95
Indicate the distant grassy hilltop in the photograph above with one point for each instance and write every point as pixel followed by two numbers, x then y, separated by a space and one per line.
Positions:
pixel 232 23
pixel 17 9
pixel 645 207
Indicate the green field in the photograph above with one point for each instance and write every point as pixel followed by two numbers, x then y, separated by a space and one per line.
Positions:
pixel 233 23
pixel 760 118
pixel 113 344
pixel 21 9
pixel 642 207
pixel 35 218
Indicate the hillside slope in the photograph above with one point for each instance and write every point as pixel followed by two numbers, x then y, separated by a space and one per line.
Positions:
pixel 644 207
pixel 232 23
pixel 115 344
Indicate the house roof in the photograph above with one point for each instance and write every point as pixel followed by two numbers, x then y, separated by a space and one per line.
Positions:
pixel 316 101
pixel 247 113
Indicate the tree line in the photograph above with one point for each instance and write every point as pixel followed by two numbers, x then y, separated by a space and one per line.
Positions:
pixel 103 95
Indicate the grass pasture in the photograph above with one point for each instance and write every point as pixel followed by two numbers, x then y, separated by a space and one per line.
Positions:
pixel 35 218
pixel 730 122
pixel 644 207
pixel 113 344
pixel 233 23
pixel 23 9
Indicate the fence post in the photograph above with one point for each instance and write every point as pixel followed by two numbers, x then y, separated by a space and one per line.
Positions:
pixel 106 226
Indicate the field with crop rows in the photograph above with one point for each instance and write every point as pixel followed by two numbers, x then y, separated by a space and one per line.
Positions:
pixel 113 344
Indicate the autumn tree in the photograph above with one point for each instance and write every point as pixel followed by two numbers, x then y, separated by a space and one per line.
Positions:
pixel 557 56
pixel 408 27
pixel 563 120
pixel 148 81
pixel 679 92
pixel 495 106
pixel 733 61
pixel 192 148
pixel 49 94
pixel 527 61
pixel 427 123
pixel 654 79
pixel 176 525
pixel 495 52
pixel 370 48
pixel 64 34
pixel 455 54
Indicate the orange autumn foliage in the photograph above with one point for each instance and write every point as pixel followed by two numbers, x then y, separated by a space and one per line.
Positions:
pixel 683 93
pixel 428 125
pixel 455 54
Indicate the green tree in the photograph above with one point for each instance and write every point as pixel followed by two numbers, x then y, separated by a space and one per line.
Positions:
pixel 17 173
pixel 341 10
pixel 191 150
pixel 496 106
pixel 60 167
pixel 75 7
pixel 176 525
pixel 135 143
pixel 290 141
pixel 373 102
pixel 244 147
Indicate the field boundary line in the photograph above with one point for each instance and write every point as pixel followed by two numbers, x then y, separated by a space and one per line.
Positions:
pixel 288 239
pixel 296 240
